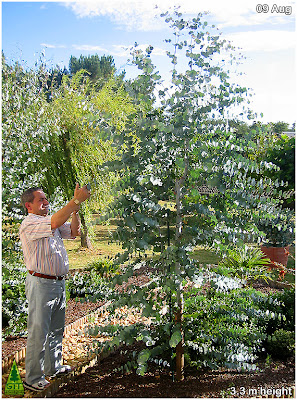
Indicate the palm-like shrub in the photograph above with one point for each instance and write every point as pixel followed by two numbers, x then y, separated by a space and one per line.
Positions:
pixel 246 263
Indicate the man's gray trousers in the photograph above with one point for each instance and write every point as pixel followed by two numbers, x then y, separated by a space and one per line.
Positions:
pixel 46 320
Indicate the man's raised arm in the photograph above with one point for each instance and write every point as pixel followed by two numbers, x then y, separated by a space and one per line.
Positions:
pixel 61 216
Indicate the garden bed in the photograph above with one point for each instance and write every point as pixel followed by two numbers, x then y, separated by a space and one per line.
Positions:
pixel 102 380
pixel 76 310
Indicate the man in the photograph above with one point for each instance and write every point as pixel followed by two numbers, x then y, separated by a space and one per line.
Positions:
pixel 47 263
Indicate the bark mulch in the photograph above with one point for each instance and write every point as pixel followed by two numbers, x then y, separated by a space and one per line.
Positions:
pixel 276 379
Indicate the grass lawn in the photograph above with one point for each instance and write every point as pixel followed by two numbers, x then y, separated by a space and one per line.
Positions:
pixel 205 256
pixel 103 248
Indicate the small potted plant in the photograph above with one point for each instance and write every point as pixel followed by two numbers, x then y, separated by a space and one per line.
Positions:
pixel 279 235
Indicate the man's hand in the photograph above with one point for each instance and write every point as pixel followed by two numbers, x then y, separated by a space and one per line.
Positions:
pixel 81 194
pixel 61 216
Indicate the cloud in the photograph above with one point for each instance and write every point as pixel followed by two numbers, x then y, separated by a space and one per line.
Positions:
pixel 233 13
pixel 130 14
pixel 88 47
pixel 53 46
pixel 263 40
pixel 143 14
pixel 118 50
pixel 121 50
pixel 115 50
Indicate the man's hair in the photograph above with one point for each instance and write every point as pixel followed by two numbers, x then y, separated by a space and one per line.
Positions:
pixel 28 195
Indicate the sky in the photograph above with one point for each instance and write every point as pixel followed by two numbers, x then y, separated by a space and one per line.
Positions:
pixel 265 32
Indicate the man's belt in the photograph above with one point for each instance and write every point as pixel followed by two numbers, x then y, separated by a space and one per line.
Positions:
pixel 59 278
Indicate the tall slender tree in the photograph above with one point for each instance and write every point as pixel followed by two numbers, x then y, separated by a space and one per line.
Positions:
pixel 175 154
pixel 99 69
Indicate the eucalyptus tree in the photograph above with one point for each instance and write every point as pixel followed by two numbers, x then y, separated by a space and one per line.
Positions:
pixel 23 106
pixel 163 213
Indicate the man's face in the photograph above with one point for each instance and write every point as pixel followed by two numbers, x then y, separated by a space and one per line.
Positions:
pixel 40 205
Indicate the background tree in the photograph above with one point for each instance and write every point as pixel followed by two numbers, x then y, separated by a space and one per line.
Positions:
pixel 280 127
pixel 54 80
pixel 57 143
pixel 100 69
pixel 81 124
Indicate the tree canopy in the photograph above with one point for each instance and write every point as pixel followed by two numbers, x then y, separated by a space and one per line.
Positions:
pixel 99 69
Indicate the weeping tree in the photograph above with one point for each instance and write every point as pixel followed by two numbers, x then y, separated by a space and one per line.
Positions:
pixel 58 143
pixel 164 214
pixel 80 122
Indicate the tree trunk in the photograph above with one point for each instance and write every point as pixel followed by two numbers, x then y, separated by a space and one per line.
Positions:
pixel 180 347
pixel 178 316
pixel 178 233
pixel 85 241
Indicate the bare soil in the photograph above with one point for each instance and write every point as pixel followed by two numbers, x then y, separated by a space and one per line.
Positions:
pixel 103 380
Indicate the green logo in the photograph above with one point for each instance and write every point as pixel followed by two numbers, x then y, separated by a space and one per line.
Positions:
pixel 14 384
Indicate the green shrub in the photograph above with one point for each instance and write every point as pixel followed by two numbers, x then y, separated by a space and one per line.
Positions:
pixel 226 328
pixel 14 302
pixel 281 303
pixel 287 307
pixel 87 285
pixel 281 344
pixel 282 154
pixel 246 263
pixel 105 268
